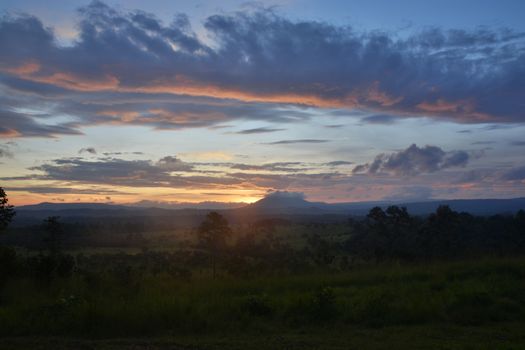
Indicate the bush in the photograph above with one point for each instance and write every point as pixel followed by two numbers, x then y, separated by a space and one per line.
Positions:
pixel 323 305
pixel 257 305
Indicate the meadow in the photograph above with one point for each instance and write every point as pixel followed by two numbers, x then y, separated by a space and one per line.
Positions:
pixel 390 280
pixel 464 304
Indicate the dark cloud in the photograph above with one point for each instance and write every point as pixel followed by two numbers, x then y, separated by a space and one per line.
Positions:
pixel 15 124
pixel 122 153
pixel 474 176
pixel 111 171
pixel 287 142
pixel 465 75
pixel 172 172
pixel 455 159
pixel 258 131
pixel 63 190
pixel 483 143
pixel 338 163
pixel 291 167
pixel 414 160
pixel 517 143
pixel 515 174
pixel 159 111
pixel 492 127
pixel 380 119
pixel 171 163
pixel 90 150
pixel 5 152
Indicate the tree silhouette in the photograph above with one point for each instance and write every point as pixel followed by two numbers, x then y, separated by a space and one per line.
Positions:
pixel 213 232
pixel 54 230
pixel 7 211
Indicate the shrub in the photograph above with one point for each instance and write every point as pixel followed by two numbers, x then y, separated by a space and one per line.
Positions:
pixel 257 305
pixel 323 305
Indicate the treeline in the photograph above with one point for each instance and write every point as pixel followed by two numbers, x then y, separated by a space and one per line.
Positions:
pixel 395 234
pixel 383 235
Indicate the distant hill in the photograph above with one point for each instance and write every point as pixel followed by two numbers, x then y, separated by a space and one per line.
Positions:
pixel 277 204
pixel 70 206
pixel 186 205
pixel 288 203
pixel 472 206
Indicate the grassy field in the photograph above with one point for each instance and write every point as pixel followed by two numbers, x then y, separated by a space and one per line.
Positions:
pixel 462 305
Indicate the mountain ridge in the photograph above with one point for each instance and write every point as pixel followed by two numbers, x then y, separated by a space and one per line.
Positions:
pixel 297 205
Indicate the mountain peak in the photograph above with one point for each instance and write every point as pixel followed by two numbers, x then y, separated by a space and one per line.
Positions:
pixel 283 199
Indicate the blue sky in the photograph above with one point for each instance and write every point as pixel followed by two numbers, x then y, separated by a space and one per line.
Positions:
pixel 194 101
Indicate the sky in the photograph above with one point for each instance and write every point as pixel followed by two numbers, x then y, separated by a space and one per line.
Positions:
pixel 188 101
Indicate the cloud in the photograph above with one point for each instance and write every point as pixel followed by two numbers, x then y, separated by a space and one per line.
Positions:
pixel 514 174
pixel 291 167
pixel 134 173
pixel 122 153
pixel 90 150
pixel 288 142
pixel 258 131
pixel 243 71
pixel 474 176
pixel 483 143
pixel 322 182
pixel 338 163
pixel 15 124
pixel 5 152
pixel 518 143
pixel 172 163
pixel 413 161
pixel 380 119
pixel 455 159
pixel 64 190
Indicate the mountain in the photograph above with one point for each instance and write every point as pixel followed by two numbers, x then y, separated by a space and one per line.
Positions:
pixel 210 205
pixel 472 206
pixel 46 206
pixel 280 200
pixel 275 204
pixel 294 203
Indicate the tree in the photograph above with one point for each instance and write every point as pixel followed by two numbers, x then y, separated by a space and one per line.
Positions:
pixel 442 232
pixel 213 232
pixel 53 227
pixel 7 211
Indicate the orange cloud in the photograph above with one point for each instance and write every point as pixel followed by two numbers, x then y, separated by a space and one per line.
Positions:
pixel 9 133
pixel 23 69
pixel 367 97
pixel 182 85
pixel 374 94
pixel 443 106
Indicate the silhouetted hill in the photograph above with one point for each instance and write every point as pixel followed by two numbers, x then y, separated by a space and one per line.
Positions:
pixel 472 206
pixel 278 204
pixel 70 206
pixel 284 200
pixel 290 203
pixel 210 205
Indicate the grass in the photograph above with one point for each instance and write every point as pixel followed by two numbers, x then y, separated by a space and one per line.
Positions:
pixel 460 305
pixel 444 337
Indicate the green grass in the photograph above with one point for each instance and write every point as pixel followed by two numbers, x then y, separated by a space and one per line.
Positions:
pixel 462 305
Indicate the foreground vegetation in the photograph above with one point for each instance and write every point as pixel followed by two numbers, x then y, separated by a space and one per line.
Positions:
pixel 378 301
pixel 390 280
